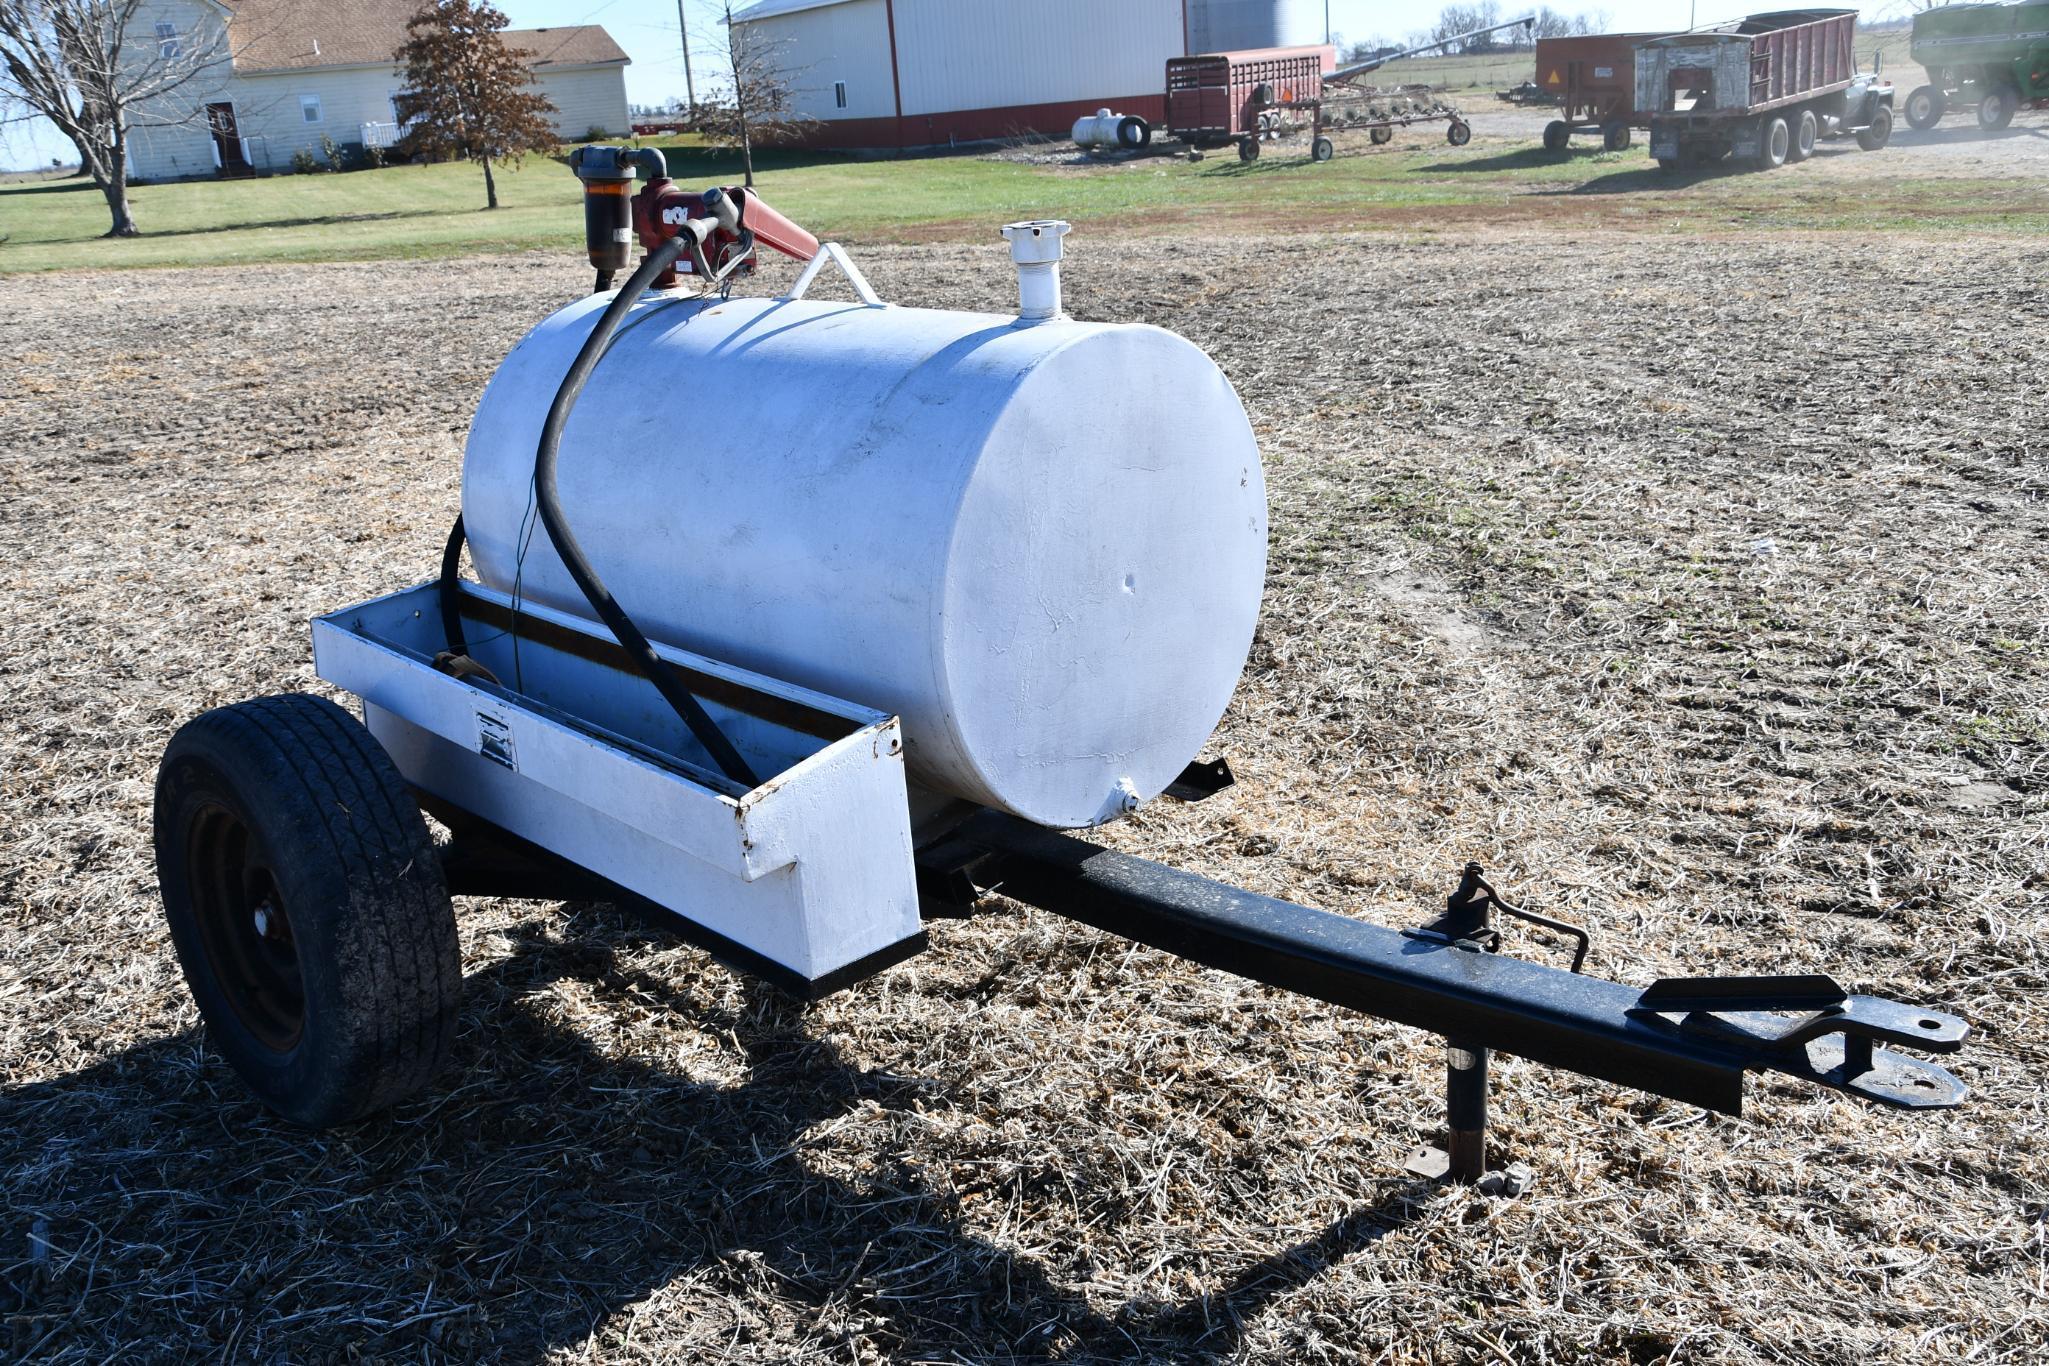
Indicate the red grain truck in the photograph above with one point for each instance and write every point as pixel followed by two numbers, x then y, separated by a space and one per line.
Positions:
pixel 1762 89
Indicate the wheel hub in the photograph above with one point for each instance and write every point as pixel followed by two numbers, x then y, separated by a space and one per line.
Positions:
pixel 247 930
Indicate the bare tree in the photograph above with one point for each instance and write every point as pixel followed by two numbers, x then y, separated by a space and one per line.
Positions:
pixel 468 93
pixel 1464 18
pixel 76 63
pixel 761 106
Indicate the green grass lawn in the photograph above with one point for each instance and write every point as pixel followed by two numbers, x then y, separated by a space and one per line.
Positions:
pixel 1417 183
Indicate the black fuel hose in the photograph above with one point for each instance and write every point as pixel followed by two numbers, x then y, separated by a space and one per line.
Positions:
pixel 450 592
pixel 629 636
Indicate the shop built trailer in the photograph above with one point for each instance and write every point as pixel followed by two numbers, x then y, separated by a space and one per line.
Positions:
pixel 852 637
pixel 1763 90
pixel 1990 59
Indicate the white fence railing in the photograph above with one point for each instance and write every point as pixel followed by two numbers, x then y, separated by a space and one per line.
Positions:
pixel 382 134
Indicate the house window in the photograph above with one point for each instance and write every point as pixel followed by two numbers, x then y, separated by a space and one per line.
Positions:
pixel 309 108
pixel 168 46
pixel 839 94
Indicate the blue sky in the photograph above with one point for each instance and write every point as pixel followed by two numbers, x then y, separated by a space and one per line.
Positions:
pixel 647 30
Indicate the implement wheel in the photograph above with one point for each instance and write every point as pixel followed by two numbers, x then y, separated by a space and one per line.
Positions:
pixel 1459 132
pixel 1248 149
pixel 1925 108
pixel 1557 135
pixel 1381 134
pixel 307 905
pixel 1875 137
pixel 1615 137
pixel 1322 150
pixel 1995 111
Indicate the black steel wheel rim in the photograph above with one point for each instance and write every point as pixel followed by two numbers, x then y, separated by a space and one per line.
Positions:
pixel 245 929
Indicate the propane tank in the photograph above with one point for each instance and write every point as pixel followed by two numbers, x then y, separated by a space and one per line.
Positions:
pixel 1040 542
pixel 1106 130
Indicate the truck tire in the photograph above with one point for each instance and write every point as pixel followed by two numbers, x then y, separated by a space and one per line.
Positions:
pixel 1925 108
pixel 1879 133
pixel 1615 137
pixel 1773 141
pixel 1557 135
pixel 308 908
pixel 1805 128
pixel 1995 111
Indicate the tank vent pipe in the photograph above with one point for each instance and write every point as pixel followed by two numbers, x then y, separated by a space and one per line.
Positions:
pixel 1035 247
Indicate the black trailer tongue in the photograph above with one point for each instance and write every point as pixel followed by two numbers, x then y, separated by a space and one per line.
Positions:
pixel 1690 1039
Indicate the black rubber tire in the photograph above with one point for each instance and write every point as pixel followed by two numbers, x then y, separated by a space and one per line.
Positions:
pixel 1557 135
pixel 1925 108
pixel 1879 133
pixel 1773 138
pixel 1803 132
pixel 1248 149
pixel 1615 137
pixel 293 861
pixel 1458 132
pixel 1995 111
pixel 1323 149
pixel 1381 134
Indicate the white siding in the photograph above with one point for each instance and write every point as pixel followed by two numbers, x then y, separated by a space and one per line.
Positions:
pixel 169 139
pixel 172 142
pixel 585 98
pixel 981 54
pixel 817 47
pixel 267 109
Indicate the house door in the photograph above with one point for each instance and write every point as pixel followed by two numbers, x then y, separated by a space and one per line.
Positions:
pixel 227 140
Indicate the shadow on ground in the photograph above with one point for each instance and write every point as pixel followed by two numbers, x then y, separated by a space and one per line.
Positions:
pixel 1523 159
pixel 544 1194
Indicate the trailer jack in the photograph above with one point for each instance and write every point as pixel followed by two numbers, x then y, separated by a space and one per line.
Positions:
pixel 1687 1039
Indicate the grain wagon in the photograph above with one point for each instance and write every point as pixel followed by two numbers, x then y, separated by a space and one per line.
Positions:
pixel 1593 78
pixel 1993 59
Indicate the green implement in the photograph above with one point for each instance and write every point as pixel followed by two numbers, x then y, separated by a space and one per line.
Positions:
pixel 1991 57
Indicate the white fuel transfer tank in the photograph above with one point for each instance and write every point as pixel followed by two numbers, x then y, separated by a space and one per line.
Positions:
pixel 1040 544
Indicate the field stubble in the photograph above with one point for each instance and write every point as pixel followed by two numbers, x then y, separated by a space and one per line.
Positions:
pixel 1697 587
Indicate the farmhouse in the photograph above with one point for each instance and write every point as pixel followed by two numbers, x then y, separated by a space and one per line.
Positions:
pixel 298 71
pixel 920 73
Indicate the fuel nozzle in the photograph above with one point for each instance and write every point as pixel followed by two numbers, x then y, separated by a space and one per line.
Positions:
pixel 607 174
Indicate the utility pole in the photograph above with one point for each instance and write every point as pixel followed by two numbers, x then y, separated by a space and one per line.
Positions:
pixel 689 86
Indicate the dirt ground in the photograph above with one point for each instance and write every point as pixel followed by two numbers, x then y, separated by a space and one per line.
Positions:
pixel 1698 586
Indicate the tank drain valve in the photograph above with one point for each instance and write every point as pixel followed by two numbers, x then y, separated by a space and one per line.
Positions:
pixel 1035 247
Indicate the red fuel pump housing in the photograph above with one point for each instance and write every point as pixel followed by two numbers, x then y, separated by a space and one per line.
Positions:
pixel 662 207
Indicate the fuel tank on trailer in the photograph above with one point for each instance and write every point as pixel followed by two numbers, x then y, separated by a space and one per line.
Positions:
pixel 1041 545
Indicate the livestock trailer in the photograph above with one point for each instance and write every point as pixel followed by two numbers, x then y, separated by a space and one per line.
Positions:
pixel 1593 78
pixel 1263 95
pixel 844 643
pixel 1762 89
pixel 1992 58
pixel 1217 98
